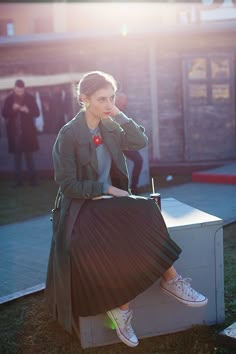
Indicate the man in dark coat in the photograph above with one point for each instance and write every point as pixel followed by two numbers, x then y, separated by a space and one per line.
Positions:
pixel 19 111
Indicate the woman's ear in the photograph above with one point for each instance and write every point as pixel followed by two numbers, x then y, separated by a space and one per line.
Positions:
pixel 84 100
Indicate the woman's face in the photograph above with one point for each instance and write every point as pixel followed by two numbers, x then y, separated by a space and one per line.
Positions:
pixel 100 104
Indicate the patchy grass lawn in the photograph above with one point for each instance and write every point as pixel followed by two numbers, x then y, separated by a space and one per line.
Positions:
pixel 32 331
pixel 26 327
pixel 230 272
pixel 18 204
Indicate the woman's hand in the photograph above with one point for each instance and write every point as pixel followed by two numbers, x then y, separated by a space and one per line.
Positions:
pixel 116 192
pixel 115 111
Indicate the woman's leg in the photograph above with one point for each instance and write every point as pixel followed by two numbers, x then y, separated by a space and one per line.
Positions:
pixel 124 307
pixel 173 284
pixel 170 274
pixel 121 318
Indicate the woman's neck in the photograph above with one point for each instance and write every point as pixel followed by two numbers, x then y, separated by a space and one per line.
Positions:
pixel 92 121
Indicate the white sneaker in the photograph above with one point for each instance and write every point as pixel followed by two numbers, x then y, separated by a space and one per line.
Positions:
pixel 181 290
pixel 124 330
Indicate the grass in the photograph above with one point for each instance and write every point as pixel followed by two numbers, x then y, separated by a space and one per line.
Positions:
pixel 18 204
pixel 230 272
pixel 26 327
pixel 33 331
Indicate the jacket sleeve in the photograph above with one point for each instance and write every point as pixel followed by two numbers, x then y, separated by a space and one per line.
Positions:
pixel 65 167
pixel 7 110
pixel 132 135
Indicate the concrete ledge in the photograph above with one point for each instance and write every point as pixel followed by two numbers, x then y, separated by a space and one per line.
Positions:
pixel 22 293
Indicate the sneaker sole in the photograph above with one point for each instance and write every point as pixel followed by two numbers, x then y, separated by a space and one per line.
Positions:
pixel 185 302
pixel 119 334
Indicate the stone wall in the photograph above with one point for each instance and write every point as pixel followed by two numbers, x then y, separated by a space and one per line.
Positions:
pixel 170 106
pixel 128 60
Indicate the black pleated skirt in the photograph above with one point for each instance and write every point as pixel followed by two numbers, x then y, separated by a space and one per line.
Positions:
pixel 119 248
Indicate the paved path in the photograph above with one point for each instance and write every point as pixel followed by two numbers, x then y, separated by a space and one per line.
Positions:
pixel 215 199
pixel 24 246
pixel 224 174
pixel 229 169
pixel 23 256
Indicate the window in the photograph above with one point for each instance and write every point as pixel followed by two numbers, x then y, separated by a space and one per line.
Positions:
pixel 197 69
pixel 208 79
pixel 220 68
pixel 220 92
pixel 198 93
pixel 7 28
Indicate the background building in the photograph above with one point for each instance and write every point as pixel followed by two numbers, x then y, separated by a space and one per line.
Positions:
pixel 176 63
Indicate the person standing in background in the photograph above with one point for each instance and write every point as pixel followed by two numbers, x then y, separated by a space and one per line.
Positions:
pixel 19 111
pixel 134 156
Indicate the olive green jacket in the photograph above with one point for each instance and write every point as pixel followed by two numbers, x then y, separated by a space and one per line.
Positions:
pixel 76 172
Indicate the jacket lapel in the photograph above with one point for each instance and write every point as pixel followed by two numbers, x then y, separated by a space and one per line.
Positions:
pixel 84 136
pixel 109 137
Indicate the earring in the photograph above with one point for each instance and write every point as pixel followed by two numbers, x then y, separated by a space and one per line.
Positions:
pixel 86 105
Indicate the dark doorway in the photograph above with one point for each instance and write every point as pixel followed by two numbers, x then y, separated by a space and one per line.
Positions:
pixel 209 107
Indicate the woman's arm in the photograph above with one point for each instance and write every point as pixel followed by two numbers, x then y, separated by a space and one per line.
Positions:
pixel 132 135
pixel 7 110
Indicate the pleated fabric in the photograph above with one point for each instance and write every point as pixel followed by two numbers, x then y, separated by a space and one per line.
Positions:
pixel 119 248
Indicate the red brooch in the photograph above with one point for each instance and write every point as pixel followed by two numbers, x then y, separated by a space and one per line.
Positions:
pixel 97 140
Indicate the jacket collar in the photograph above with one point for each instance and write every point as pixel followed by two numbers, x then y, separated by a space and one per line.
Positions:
pixel 82 130
pixel 84 136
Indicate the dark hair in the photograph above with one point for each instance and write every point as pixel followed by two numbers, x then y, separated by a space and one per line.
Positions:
pixel 94 81
pixel 19 83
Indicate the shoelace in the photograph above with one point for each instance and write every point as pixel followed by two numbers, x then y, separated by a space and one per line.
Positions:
pixel 126 319
pixel 128 326
pixel 186 286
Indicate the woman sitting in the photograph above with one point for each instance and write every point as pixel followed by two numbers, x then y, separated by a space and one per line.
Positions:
pixel 108 246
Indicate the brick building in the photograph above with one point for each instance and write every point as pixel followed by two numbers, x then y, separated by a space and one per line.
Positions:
pixel 179 78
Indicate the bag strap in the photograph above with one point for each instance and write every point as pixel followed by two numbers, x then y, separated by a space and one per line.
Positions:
pixel 57 201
